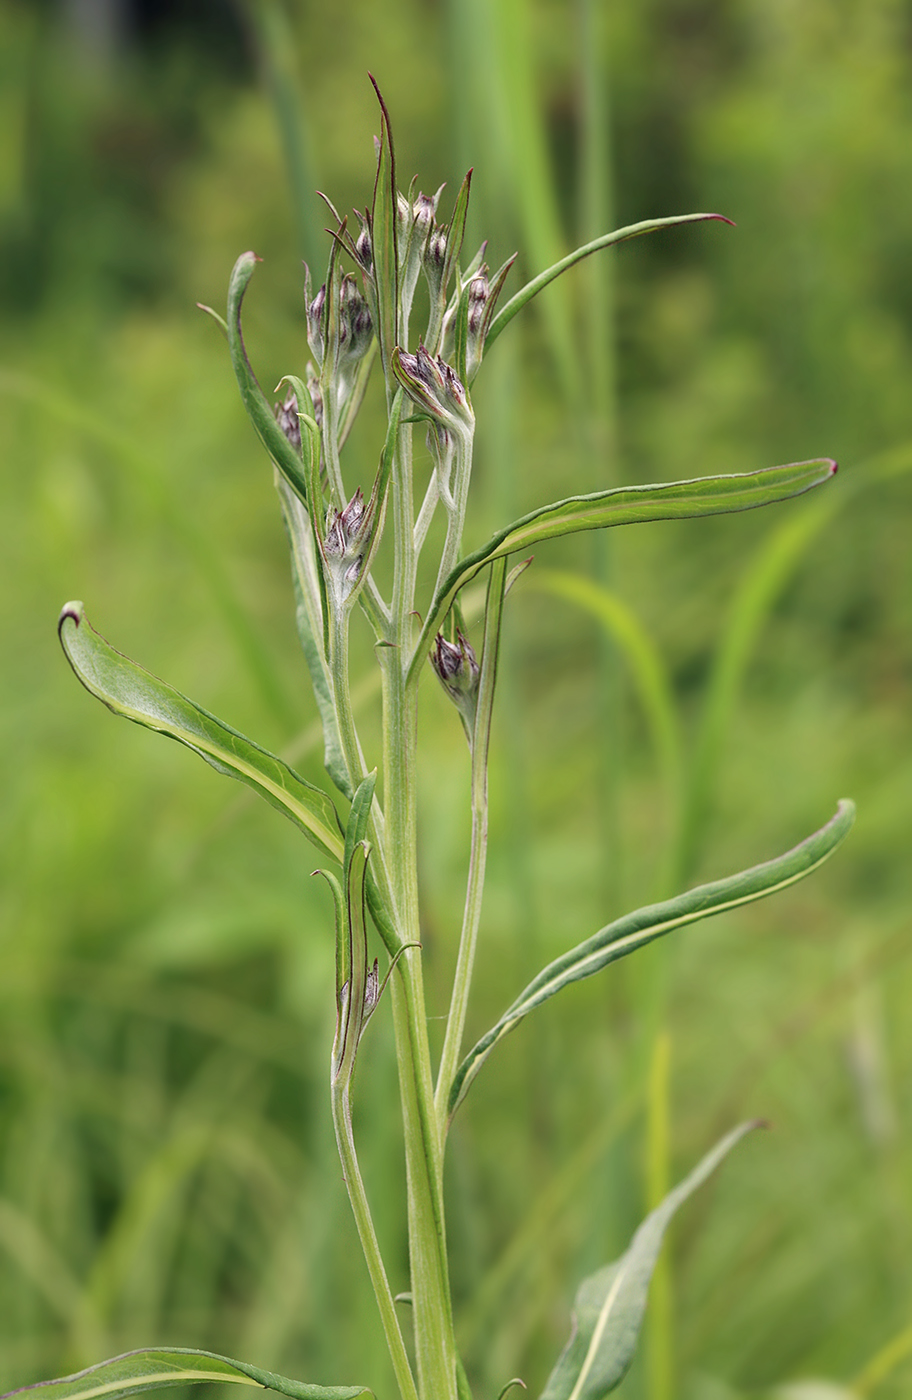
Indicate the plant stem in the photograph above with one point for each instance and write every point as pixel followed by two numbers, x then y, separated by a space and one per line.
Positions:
pixel 478 856
pixel 341 1110
pixel 434 1340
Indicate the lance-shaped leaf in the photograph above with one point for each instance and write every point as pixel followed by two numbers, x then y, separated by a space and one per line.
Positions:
pixel 531 289
pixel 288 461
pixel 609 1307
pixel 138 1371
pixel 635 930
pixel 626 505
pixel 384 239
pixel 130 691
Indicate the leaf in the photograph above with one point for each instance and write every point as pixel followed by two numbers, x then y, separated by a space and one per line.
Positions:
pixel 288 461
pixel 384 240
pixel 531 289
pixel 130 691
pixel 635 930
pixel 626 505
pixel 137 1371
pixel 609 1307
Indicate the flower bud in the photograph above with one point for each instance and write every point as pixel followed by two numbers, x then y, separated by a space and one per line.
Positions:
pixel 286 414
pixel 435 387
pixel 315 313
pixel 458 671
pixel 345 545
pixel 356 328
pixel 363 247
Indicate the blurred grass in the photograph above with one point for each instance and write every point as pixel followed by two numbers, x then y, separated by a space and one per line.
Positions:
pixel 166 1162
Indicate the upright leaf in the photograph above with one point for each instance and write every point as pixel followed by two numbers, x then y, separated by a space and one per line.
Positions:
pixel 130 691
pixel 384 248
pixel 609 1308
pixel 137 1371
pixel 626 505
pixel 635 930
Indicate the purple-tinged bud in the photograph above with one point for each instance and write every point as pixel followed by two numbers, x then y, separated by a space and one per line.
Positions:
pixel 356 328
pixel 363 247
pixel 478 297
pixel 458 671
pixel 315 324
pixel 347 541
pixel 343 530
pixel 287 418
pixel 435 250
pixel 434 386
pixel 423 211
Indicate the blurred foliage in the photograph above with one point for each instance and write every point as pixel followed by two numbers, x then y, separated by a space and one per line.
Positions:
pixel 167 1172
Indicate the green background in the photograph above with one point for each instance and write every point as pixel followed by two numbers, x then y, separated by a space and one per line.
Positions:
pixel 167 1170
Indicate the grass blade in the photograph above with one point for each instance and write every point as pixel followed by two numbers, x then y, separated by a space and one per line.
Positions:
pixel 626 505
pixel 130 691
pixel 138 1371
pixel 634 930
pixel 609 1308
pixel 649 673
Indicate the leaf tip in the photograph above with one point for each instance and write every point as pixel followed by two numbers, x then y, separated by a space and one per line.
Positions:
pixel 74 610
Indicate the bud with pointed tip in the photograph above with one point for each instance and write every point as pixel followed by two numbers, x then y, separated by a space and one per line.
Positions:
pixel 345 545
pixel 315 310
pixel 287 418
pixel 458 671
pixel 435 387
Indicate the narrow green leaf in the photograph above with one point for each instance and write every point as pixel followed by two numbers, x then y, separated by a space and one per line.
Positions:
pixel 137 1371
pixel 358 818
pixel 531 289
pixel 384 248
pixel 130 691
pixel 259 412
pixel 626 505
pixel 634 930
pixel 609 1307
pixel 309 591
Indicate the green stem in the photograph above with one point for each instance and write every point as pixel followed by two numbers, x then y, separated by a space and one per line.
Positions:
pixel 462 475
pixel 477 860
pixel 341 1110
pixel 434 1339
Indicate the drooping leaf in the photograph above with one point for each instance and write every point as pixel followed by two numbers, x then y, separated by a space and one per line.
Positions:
pixel 609 1307
pixel 626 505
pixel 634 930
pixel 288 461
pixel 531 289
pixel 130 691
pixel 138 1371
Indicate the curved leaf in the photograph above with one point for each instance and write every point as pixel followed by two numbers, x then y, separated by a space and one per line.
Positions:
pixel 531 289
pixel 635 930
pixel 289 462
pixel 626 505
pixel 130 691
pixel 137 1371
pixel 609 1307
